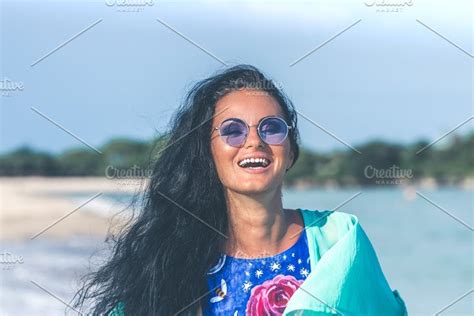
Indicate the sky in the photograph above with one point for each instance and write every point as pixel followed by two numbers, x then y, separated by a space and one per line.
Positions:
pixel 101 70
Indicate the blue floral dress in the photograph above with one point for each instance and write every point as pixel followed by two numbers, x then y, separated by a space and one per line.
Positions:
pixel 260 286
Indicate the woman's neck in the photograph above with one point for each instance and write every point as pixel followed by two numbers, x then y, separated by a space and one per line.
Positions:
pixel 259 226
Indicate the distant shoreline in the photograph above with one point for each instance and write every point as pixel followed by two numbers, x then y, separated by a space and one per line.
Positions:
pixel 425 183
pixel 31 204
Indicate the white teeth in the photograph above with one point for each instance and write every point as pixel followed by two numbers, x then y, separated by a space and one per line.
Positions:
pixel 263 161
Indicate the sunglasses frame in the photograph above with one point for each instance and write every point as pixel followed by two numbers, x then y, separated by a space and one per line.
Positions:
pixel 218 128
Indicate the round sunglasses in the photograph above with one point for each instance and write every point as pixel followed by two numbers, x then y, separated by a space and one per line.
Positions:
pixel 273 130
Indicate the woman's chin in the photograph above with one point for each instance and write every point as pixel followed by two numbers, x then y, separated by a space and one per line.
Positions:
pixel 253 191
pixel 253 186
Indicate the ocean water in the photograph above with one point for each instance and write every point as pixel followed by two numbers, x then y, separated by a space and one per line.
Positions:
pixel 426 254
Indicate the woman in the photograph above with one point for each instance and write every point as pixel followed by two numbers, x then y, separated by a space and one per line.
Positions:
pixel 213 237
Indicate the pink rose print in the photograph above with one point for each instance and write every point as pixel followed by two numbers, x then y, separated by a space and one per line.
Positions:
pixel 271 297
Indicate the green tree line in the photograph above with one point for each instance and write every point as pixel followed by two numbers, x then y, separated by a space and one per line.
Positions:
pixel 448 162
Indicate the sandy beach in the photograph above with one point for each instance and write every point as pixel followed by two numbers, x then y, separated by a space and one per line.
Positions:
pixel 28 205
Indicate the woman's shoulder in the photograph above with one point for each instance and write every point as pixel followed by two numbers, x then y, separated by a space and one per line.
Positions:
pixel 329 220
pixel 324 228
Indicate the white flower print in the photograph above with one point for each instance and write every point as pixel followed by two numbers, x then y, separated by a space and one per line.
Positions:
pixel 304 272
pixel 275 266
pixel 246 286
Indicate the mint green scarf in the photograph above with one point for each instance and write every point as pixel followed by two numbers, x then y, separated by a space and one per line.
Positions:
pixel 348 279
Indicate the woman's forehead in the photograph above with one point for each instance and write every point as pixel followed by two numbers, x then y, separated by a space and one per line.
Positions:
pixel 248 106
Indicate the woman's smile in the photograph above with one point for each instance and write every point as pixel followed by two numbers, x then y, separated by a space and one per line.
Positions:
pixel 254 166
pixel 255 163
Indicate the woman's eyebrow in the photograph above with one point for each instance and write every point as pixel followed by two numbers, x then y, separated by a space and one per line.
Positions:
pixel 258 120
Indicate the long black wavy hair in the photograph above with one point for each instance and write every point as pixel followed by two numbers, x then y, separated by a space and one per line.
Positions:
pixel 160 258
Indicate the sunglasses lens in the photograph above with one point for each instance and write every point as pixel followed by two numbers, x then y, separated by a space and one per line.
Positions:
pixel 273 131
pixel 233 132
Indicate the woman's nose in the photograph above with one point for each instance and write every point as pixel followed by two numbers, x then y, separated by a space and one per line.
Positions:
pixel 253 139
